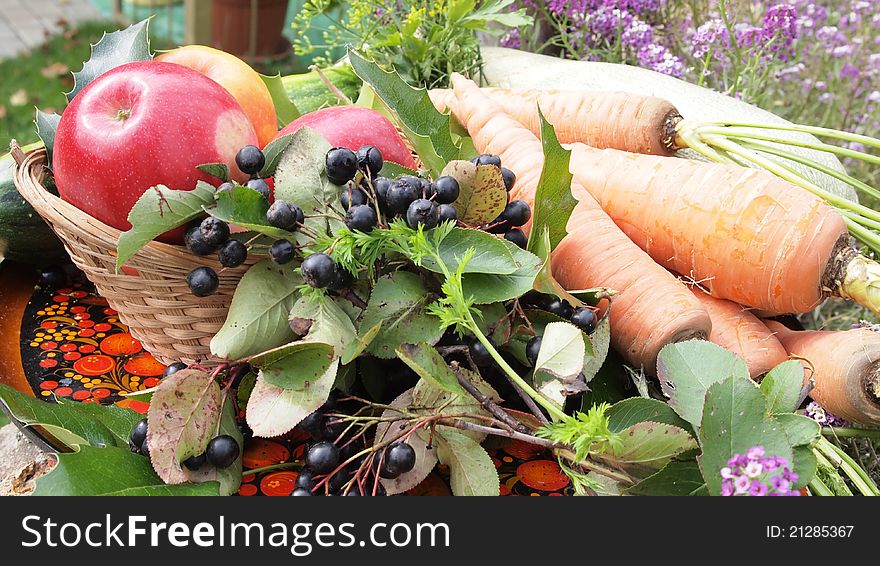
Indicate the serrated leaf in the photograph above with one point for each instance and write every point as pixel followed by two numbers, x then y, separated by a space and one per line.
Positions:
pixel 400 300
pixel 687 370
pixel 114 49
pixel 245 387
pixel 247 208
pixel 733 420
pixel 599 342
pixel 426 458
pixel 545 282
pixel 675 479
pixel 393 170
pixel 326 320
pixel 482 196
pixel 216 170
pixel 229 478
pixel 428 400
pixel 294 365
pixel 490 254
pixel 471 470
pixel 428 364
pixel 805 465
pixel 273 152
pixel 272 411
pixel 182 417
pixel 554 202
pixel 428 130
pixel 799 429
pixel 285 109
pixel 782 387
pixel 257 318
pixel 357 347
pixel 110 471
pixel 158 210
pixel 562 350
pixel 653 444
pixel 47 124
pixel 487 288
pixel 634 410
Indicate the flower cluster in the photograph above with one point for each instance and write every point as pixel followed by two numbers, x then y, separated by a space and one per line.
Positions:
pixel 755 474
pixel 816 412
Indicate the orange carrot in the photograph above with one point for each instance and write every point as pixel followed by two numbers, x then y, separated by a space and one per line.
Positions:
pixel 652 308
pixel 844 365
pixel 616 120
pixel 738 330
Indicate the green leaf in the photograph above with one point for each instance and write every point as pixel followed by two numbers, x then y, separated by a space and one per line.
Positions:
pixel 735 419
pixel 634 410
pixel 429 365
pixel 471 470
pixel 544 281
pixel 554 202
pixel 457 9
pixel 257 318
pixel 488 288
pixel 300 178
pixel 4 419
pixel 400 301
pixel 229 478
pixel 273 152
pixel 364 339
pixel 675 479
pixel 46 126
pixel 182 417
pixel 426 457
pixel 653 444
pixel 326 322
pixel 284 107
pixel 805 465
pixel 247 208
pixel 600 341
pixel 490 254
pixel 110 471
pixel 610 385
pixel 95 424
pixel 428 130
pixel 294 365
pixel 482 197
pixel 782 386
pixel 245 387
pixel 216 170
pixel 430 400
pixel 800 430
pixel 158 210
pixel 272 411
pixel 687 370
pixel 114 49
pixel 559 362
pixel 393 170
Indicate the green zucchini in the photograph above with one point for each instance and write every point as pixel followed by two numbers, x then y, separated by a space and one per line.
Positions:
pixel 24 236
pixel 309 92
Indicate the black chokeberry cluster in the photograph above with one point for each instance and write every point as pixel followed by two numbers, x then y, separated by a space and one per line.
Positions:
pixel 222 451
pixel 250 160
pixel 582 317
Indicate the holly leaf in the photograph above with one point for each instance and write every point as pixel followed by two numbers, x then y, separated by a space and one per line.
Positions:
pixel 687 370
pixel 358 346
pixel 485 288
pixel 273 152
pixel 326 320
pixel 112 50
pixel 272 411
pixel 471 470
pixel 428 364
pixel 676 479
pixel 634 410
pixel 158 210
pixel 490 254
pixel 284 107
pixel 294 365
pixel 652 444
pixel 257 318
pixel 782 387
pixel 554 202
pixel 400 300
pixel 228 478
pixel 182 419
pixel 482 197
pixel 47 124
pixel 110 471
pixel 247 208
pixel 426 456
pixel 216 170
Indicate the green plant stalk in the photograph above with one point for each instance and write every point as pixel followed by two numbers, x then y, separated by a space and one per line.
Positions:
pixel 818 487
pixel 813 130
pixel 856 473
pixel 849 432
pixel 838 487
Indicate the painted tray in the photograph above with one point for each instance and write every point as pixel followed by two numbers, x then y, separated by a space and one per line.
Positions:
pixel 68 342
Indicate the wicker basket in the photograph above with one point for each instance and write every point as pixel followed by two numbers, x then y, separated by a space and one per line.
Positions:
pixel 150 293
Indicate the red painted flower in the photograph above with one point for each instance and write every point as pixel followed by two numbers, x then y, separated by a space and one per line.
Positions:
pixel 544 475
pixel 72 356
pixel 94 364
pixel 86 332
pixel 48 345
pixel 67 347
pixel 86 349
pixel 100 393
pixel 102 327
pixel 77 309
pixel 122 344
pixel 144 365
pixel 86 323
pixel 151 382
pixel 63 391
pixel 81 395
pixel 48 385
pixel 49 325
pixel 48 363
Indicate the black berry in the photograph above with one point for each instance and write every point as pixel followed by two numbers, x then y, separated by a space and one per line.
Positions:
pixel 305 480
pixel 427 188
pixel 447 190
pixel 560 308
pixel 250 160
pixel 138 434
pixel 214 232
pixel 299 492
pixel 342 279
pixel 337 481
pixel 369 160
pixel 487 159
pixel 585 319
pixel 322 458
pixel 222 451
pixel 318 270
pixel 380 186
pixel 341 164
pixel 424 213
pixel 353 197
pixel 499 226
pixel 532 349
pixel 285 216
pixel 517 237
pixel 479 354
pixel 203 281
pixel 174 368
pixel 193 463
pixel 312 424
pixel 400 456
pixel 145 449
pixel 447 212
pixel 232 254
pixel 517 212
pixel 402 193
pixel 509 178
pixel 361 218
pixel 260 186
pixel 281 252
pixel 53 277
pixel 227 186
pixel 196 243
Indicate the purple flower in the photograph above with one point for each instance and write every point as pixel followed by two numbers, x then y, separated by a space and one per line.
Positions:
pixel 753 475
pixel 741 484
pixel 511 39
pixel 711 35
pixel 849 71
pixel 726 488
pixel 758 488
pixel 755 452
pixel 780 483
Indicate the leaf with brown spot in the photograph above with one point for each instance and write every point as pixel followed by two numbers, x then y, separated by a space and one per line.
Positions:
pixel 483 196
pixel 182 418
pixel 228 478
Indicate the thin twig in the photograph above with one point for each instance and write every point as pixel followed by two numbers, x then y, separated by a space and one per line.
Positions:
pixel 352 297
pixel 333 88
pixel 487 403
pixel 530 403
pixel 465 425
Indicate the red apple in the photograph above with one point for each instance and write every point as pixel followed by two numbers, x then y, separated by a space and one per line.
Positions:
pixel 144 124
pixel 354 127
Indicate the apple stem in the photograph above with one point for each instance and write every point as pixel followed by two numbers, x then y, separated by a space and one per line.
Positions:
pixel 336 92
pixel 123 114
